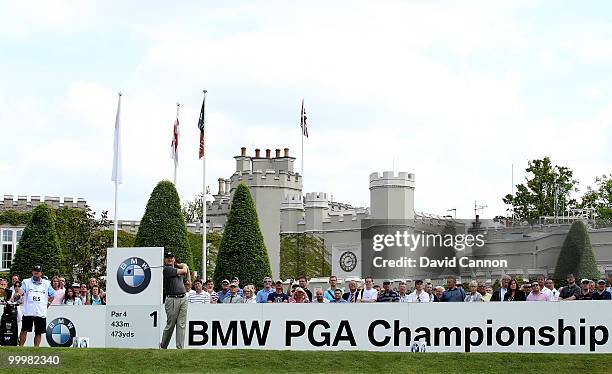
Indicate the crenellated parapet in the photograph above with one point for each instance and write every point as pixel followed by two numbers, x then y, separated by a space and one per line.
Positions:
pixel 292 202
pixel 316 200
pixel 391 179
pixel 268 178
pixel 24 203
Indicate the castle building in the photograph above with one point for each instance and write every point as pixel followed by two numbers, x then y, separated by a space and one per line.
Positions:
pixel 283 208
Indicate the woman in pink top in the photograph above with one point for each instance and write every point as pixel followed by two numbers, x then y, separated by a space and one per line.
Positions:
pixel 536 294
pixel 59 292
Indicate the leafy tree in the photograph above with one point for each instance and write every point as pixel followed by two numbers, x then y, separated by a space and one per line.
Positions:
pixel 192 209
pixel 242 252
pixel 600 197
pixel 577 255
pixel 39 245
pixel 76 229
pixel 213 241
pixel 303 254
pixel 536 197
pixel 162 224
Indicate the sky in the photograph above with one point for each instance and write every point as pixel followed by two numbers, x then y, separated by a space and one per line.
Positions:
pixel 455 92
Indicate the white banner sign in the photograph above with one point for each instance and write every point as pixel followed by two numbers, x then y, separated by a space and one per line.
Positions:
pixel 559 327
pixel 568 327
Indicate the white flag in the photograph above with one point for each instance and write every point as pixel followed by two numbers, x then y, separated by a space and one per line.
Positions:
pixel 117 147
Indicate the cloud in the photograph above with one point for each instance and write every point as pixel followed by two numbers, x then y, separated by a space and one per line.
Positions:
pixel 437 89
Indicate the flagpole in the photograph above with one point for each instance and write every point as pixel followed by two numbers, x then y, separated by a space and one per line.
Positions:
pixel 117 170
pixel 204 248
pixel 178 105
pixel 115 219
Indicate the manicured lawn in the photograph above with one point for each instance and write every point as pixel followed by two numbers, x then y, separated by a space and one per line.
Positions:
pixel 138 361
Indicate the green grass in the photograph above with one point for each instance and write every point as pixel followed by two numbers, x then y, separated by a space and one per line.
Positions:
pixel 139 361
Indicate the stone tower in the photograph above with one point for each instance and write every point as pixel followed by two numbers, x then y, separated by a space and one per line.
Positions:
pixel 270 179
pixel 392 196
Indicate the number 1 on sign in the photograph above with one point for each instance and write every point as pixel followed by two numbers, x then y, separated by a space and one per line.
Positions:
pixel 154 316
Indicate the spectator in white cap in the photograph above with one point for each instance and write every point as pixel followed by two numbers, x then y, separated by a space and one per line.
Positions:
pixel 237 282
pixel 225 291
pixel 233 297
pixel 585 291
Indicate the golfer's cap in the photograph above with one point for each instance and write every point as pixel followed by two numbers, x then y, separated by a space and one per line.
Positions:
pixel 278 281
pixel 37 268
pixel 233 285
pixel 169 255
pixel 585 281
pixel 235 279
pixel 601 281
pixel 225 281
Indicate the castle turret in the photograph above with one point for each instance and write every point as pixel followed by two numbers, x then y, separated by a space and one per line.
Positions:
pixel 292 212
pixel 269 179
pixel 392 196
pixel 316 208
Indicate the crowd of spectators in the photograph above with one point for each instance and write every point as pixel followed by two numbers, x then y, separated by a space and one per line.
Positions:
pixel 230 292
pixel 89 293
pixel 542 289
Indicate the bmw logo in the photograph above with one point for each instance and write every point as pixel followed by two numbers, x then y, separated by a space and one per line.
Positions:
pixel 60 332
pixel 134 275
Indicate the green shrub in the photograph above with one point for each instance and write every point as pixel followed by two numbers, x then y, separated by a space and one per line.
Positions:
pixel 39 245
pixel 163 225
pixel 576 256
pixel 242 252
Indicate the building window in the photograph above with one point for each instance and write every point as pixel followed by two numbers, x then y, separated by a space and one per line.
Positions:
pixel 7 255
pixel 7 236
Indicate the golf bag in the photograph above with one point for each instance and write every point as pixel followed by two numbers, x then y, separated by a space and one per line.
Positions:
pixel 8 325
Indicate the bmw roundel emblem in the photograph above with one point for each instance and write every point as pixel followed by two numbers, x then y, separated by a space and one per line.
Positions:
pixel 133 275
pixel 60 332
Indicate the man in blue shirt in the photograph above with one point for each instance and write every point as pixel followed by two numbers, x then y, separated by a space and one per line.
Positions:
pixel 333 285
pixel 236 281
pixel 225 291
pixel 452 293
pixel 338 297
pixel 262 295
pixel 601 293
